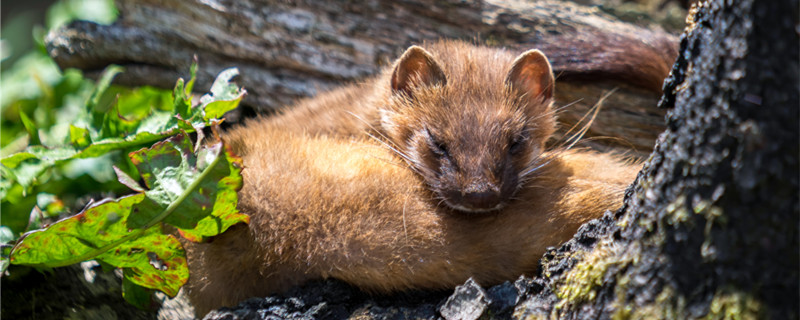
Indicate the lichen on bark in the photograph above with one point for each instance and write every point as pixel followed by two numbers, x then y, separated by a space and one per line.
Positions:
pixel 712 220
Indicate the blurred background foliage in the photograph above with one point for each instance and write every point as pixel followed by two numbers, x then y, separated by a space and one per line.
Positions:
pixel 42 105
pixel 30 82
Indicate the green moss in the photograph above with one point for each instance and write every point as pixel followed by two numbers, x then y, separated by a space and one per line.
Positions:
pixel 727 304
pixel 677 212
pixel 732 304
pixel 580 284
pixel 680 211
pixel 667 305
pixel 623 310
pixel 524 315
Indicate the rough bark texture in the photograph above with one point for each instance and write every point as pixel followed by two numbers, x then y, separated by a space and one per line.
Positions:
pixel 290 50
pixel 82 291
pixel 710 227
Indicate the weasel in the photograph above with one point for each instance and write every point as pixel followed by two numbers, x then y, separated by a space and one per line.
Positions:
pixel 325 207
pixel 482 198
pixel 471 120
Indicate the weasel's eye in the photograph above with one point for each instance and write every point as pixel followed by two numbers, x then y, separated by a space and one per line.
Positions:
pixel 437 146
pixel 516 145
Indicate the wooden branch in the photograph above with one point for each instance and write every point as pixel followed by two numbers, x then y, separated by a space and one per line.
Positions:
pixel 291 50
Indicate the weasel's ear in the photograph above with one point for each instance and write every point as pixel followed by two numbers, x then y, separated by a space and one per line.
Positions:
pixel 416 67
pixel 531 75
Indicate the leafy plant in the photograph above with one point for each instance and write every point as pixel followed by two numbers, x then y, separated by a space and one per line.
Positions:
pixel 42 106
pixel 189 187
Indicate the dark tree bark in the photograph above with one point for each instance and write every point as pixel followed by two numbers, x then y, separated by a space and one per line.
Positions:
pixel 708 230
pixel 711 226
pixel 290 50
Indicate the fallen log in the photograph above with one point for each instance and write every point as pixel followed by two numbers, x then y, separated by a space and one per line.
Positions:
pixel 292 50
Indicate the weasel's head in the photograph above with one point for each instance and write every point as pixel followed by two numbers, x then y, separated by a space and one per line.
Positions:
pixel 474 128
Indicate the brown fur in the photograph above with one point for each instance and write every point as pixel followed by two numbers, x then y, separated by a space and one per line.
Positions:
pixel 475 75
pixel 470 120
pixel 323 206
pixel 350 210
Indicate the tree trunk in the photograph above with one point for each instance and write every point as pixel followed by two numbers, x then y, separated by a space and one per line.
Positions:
pixel 291 50
pixel 708 230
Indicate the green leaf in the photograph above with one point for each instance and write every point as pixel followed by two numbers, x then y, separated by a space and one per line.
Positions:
pixel 138 296
pixel 205 183
pixel 14 160
pixel 6 237
pixel 140 103
pixel 182 93
pixel 192 75
pixel 3 264
pixel 30 127
pixel 81 237
pixel 26 166
pixel 154 261
pixel 15 209
pixel 49 204
pixel 41 153
pixel 29 164
pixel 115 125
pixel 79 137
pixel 35 219
pixel 125 179
pixel 110 144
pixel 224 96
pixel 182 102
pixel 99 168
pixel 119 132
pixel 26 174
pixel 101 87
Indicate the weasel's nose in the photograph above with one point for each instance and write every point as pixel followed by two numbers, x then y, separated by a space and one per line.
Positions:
pixel 486 200
pixel 477 197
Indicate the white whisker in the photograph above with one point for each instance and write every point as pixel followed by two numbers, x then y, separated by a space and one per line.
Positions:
pixel 581 132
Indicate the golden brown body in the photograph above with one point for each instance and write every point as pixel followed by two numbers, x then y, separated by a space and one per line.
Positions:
pixel 349 210
pixel 326 201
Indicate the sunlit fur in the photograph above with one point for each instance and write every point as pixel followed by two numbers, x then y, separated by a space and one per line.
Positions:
pixel 476 114
pixel 323 207
pixel 341 186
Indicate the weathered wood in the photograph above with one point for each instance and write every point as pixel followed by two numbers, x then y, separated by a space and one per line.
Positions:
pixel 290 50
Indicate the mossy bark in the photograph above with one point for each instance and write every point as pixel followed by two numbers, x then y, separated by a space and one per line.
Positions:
pixel 710 228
